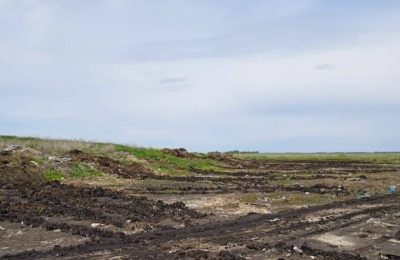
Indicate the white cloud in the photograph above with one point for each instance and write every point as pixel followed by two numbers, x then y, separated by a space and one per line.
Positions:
pixel 367 73
pixel 214 81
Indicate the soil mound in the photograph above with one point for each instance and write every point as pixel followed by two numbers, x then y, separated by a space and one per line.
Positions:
pixel 180 152
pixel 111 166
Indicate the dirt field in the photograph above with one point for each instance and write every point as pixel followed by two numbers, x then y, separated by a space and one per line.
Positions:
pixel 126 203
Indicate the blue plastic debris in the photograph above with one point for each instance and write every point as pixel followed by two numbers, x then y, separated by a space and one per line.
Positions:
pixel 392 189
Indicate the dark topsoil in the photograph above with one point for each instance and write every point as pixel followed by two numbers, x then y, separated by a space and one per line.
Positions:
pixel 25 196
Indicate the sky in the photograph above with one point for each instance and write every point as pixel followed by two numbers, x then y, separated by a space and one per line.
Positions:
pixel 272 76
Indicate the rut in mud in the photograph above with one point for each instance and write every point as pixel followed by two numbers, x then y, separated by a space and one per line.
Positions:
pixel 279 231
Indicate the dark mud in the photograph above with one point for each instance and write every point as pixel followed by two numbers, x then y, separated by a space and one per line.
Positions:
pixel 25 196
pixel 241 187
pixel 284 228
pixel 174 231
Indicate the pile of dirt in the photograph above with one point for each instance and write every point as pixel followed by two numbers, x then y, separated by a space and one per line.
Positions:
pixel 26 196
pixel 111 166
pixel 17 169
pixel 26 203
pixel 230 161
pixel 179 152
pixel 222 157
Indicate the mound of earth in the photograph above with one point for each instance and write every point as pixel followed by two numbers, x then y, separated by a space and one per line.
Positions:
pixel 26 196
pixel 111 166
pixel 179 152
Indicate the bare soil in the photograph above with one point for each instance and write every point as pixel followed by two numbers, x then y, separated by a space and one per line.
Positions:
pixel 252 209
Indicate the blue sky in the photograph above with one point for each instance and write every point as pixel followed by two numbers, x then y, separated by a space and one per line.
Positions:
pixel 287 75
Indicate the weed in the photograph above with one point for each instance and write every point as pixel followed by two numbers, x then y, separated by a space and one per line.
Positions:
pixel 83 170
pixel 53 175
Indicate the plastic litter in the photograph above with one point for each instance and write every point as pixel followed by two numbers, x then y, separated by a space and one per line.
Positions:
pixel 363 194
pixel 392 189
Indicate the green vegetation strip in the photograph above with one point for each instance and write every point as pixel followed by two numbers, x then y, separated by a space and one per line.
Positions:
pixel 168 163
pixel 382 157
pixel 53 175
pixel 82 170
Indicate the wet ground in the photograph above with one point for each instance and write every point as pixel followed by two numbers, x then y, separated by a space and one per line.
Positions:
pixel 251 209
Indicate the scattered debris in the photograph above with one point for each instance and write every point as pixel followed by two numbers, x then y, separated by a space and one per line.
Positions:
pixel 9 149
pixel 362 195
pixel 297 250
pixel 34 163
pixel 95 225
pixel 274 220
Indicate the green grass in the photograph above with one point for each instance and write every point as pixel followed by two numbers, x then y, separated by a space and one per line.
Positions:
pixel 77 171
pixel 168 163
pixel 82 170
pixel 382 157
pixel 53 175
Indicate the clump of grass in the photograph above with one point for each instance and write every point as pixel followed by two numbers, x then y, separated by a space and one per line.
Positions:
pixel 83 170
pixel 53 175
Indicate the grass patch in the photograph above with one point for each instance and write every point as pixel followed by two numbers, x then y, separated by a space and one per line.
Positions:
pixel 378 157
pixel 53 175
pixel 82 170
pixel 56 145
pixel 168 163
